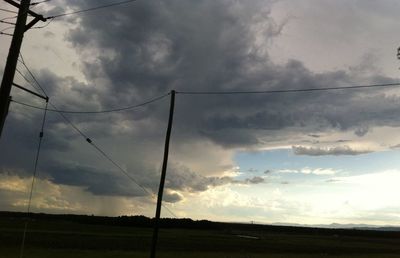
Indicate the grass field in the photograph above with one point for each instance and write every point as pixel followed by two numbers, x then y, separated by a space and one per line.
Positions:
pixel 71 239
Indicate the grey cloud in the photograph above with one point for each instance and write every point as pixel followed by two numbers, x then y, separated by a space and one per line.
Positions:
pixel 395 146
pixel 316 151
pixel 361 131
pixel 267 171
pixel 182 178
pixel 172 197
pixel 255 180
pixel 332 180
pixel 94 180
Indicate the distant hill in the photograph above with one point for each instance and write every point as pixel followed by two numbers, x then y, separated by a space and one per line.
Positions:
pixel 234 228
pixel 343 226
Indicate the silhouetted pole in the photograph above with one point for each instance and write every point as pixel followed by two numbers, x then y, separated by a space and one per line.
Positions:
pixel 9 70
pixel 12 58
pixel 162 180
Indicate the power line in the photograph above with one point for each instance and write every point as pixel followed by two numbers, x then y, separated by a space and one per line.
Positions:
pixel 102 152
pixel 10 23
pixel 95 112
pixel 23 76
pixel 8 28
pixel 208 93
pixel 8 18
pixel 87 139
pixel 81 112
pixel 31 74
pixel 288 90
pixel 33 180
pixel 40 2
pixel 7 34
pixel 8 11
pixel 90 9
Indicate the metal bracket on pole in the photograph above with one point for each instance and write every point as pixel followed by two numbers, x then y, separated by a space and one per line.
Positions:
pixel 31 23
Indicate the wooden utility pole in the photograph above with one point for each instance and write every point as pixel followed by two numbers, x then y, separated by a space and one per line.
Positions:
pixel 163 174
pixel 12 59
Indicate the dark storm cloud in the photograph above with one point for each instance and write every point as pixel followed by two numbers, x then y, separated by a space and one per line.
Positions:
pixel 94 180
pixel 147 48
pixel 339 150
pixel 113 183
pixel 154 46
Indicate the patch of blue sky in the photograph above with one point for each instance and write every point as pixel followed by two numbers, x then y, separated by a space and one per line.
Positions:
pixel 273 161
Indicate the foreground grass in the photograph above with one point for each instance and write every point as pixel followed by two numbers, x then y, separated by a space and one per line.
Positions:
pixel 60 253
pixel 62 239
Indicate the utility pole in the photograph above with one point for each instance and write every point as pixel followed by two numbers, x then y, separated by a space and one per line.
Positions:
pixel 163 174
pixel 12 59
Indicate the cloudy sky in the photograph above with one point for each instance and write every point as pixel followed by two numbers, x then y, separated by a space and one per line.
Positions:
pixel 309 158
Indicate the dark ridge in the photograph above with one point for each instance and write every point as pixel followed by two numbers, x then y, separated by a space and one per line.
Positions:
pixel 187 223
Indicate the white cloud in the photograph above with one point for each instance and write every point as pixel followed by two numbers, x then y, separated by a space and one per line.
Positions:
pixel 308 170
pixel 320 151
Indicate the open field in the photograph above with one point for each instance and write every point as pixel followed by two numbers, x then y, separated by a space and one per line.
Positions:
pixel 60 238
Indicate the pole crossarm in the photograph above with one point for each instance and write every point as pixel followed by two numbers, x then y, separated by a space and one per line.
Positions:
pixel 31 92
pixel 32 13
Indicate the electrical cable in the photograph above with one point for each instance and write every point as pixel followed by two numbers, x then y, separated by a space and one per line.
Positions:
pixel 101 151
pixel 90 9
pixel 31 74
pixel 7 34
pixel 23 76
pixel 288 90
pixel 8 11
pixel 82 112
pixel 213 93
pixel 8 18
pixel 40 2
pixel 10 23
pixel 105 155
pixel 96 112
pixel 10 27
pixel 87 139
pixel 33 181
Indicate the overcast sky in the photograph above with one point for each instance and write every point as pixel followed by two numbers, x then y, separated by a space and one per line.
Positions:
pixel 309 158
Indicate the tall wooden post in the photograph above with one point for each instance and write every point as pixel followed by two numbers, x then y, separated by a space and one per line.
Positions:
pixel 12 59
pixel 163 174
